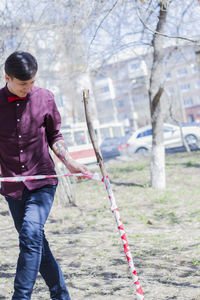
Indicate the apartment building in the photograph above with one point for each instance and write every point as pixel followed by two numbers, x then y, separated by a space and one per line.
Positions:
pixel 121 88
pixel 120 92
pixel 182 83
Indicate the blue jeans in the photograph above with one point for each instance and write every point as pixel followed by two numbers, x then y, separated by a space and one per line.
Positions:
pixel 30 215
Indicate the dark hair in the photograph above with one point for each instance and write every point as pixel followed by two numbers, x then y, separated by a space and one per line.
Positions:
pixel 21 65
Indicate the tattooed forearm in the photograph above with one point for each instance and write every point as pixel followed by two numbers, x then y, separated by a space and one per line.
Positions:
pixel 61 151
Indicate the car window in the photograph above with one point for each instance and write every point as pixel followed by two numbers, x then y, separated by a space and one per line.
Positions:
pixel 144 133
pixel 168 129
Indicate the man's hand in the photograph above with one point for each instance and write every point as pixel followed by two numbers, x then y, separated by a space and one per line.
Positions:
pixel 74 167
pixel 61 151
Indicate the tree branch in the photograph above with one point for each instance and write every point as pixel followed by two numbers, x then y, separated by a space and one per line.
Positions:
pixel 183 14
pixel 100 24
pixel 162 34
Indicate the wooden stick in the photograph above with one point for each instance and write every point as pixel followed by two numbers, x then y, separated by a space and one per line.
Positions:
pixel 92 134
pixel 114 208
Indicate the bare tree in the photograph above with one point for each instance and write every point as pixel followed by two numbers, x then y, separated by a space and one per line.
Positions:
pixel 159 27
pixel 156 90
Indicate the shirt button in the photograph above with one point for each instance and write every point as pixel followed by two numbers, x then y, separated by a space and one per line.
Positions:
pixel 23 166
pixel 17 104
pixel 18 120
pixel 21 151
pixel 20 136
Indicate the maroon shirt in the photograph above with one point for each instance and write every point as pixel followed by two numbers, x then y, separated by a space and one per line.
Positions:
pixel 27 129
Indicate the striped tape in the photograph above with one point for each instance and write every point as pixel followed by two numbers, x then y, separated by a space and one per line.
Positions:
pixel 94 176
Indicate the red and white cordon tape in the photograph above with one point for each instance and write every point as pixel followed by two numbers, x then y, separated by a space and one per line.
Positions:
pixel 114 209
pixel 94 176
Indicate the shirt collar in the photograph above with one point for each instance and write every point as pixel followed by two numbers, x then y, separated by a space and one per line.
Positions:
pixel 9 94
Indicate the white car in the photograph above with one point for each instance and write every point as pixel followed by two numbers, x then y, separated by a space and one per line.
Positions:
pixel 141 140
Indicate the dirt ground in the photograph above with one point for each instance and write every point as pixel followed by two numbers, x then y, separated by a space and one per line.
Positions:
pixel 162 227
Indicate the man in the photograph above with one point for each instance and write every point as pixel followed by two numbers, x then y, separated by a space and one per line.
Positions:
pixel 29 124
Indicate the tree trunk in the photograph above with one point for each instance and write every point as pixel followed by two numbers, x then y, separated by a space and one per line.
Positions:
pixel 158 151
pixel 155 92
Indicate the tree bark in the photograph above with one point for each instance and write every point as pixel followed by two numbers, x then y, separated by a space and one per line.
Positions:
pixel 157 166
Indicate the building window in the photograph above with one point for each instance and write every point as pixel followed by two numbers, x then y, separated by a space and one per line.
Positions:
pixel 120 103
pixel 104 89
pixel 182 72
pixel 178 57
pixel 188 102
pixel 195 69
pixel 168 75
pixel 185 87
pixel 198 84
pixel 135 66
pixel 119 89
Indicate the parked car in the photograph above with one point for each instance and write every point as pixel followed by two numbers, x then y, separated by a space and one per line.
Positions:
pixel 141 140
pixel 112 147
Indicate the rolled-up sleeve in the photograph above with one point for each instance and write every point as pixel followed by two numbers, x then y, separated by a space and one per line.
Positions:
pixel 53 122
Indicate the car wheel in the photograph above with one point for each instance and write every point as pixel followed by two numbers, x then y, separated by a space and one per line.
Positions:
pixel 192 141
pixel 142 151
